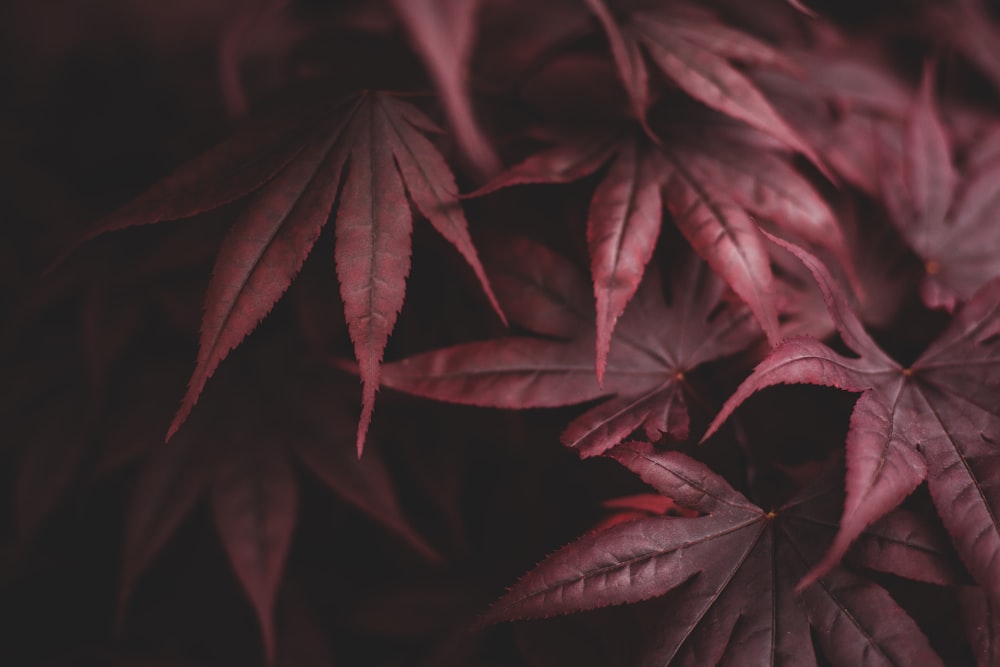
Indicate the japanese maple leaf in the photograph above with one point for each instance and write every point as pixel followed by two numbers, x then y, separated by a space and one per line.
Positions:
pixel 884 270
pixel 55 403
pixel 715 191
pixel 240 452
pixel 729 575
pixel 373 142
pixel 936 420
pixel 950 223
pixel 848 105
pixel 443 33
pixel 693 48
pixel 655 345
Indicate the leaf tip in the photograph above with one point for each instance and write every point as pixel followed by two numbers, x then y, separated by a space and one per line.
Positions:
pixel 367 408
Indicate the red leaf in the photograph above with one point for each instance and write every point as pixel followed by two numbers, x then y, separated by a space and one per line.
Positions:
pixel 320 432
pixel 169 484
pixel 373 250
pixel 693 48
pixel 566 162
pixel 726 236
pixel 713 188
pixel 655 346
pixel 255 502
pixel 628 59
pixel 378 140
pixel 768 187
pixel 443 33
pixel 263 253
pixel 935 420
pixel 622 228
pixel 225 173
pixel 851 102
pixel 543 291
pixel 729 572
pixel 950 227
pixel 902 543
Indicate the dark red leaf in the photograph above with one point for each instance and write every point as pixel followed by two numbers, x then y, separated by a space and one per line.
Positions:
pixel 170 482
pixel 377 139
pixel 622 228
pixel 255 502
pixel 728 238
pixel 949 227
pixel 263 253
pixel 654 347
pixel 694 48
pixel 716 191
pixel 729 573
pixel 319 431
pixel 936 419
pixel 443 32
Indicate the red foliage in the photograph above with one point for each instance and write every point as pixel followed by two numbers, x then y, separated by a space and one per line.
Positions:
pixel 670 218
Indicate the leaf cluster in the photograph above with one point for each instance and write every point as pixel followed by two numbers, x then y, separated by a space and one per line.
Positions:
pixel 684 317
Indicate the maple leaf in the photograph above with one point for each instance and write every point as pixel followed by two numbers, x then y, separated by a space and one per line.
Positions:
pixel 936 420
pixel 849 103
pixel 730 574
pixel 715 190
pixel 442 32
pixel 884 271
pixel 56 402
pixel 241 455
pixel 655 345
pixel 375 143
pixel 951 227
pixel 693 48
